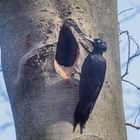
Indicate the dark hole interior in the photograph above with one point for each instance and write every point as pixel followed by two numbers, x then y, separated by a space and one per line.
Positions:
pixel 66 52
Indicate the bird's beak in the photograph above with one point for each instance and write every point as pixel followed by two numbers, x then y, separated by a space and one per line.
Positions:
pixel 88 38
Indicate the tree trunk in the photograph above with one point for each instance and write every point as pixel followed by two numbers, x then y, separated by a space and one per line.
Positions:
pixel 42 53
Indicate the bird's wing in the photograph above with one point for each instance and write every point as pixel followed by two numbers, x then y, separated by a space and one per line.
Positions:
pixel 87 70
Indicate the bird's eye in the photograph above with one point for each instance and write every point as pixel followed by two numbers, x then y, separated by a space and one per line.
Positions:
pixel 103 43
pixel 98 41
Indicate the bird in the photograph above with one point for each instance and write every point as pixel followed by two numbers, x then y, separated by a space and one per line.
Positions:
pixel 91 81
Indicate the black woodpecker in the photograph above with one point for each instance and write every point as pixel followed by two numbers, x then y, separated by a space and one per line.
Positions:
pixel 91 81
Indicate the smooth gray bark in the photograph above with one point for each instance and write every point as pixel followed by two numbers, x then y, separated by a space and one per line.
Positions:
pixel 42 101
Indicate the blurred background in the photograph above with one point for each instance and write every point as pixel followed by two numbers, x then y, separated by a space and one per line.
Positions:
pixel 129 19
pixel 129 22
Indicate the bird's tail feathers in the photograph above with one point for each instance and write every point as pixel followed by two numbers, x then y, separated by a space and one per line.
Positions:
pixel 87 109
pixel 82 126
pixel 77 116
pixel 81 116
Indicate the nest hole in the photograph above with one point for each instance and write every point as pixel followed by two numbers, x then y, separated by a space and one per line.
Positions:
pixel 67 47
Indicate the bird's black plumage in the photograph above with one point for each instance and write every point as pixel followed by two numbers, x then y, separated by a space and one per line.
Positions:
pixel 91 81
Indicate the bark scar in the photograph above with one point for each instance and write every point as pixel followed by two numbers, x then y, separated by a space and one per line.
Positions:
pixel 28 40
pixel 67 51
pixel 67 60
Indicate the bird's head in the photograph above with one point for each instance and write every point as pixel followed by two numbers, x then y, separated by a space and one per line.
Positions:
pixel 98 44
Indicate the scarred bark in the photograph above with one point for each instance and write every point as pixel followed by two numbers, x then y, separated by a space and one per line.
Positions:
pixel 42 76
